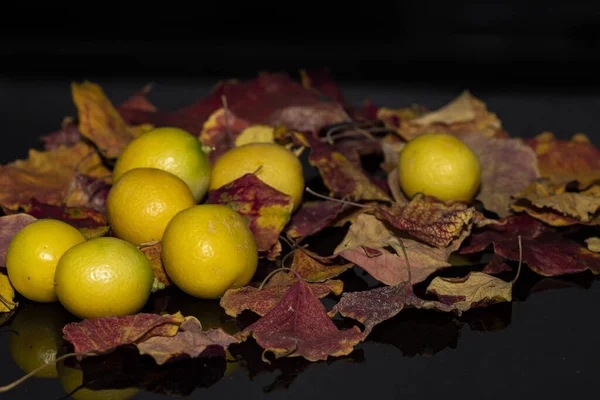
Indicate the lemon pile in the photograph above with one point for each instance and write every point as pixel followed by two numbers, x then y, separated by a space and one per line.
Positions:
pixel 160 182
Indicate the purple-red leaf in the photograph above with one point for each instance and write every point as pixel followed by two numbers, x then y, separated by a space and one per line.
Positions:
pixel 10 225
pixel 312 217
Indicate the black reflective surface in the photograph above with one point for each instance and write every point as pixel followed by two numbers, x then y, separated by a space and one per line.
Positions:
pixel 542 345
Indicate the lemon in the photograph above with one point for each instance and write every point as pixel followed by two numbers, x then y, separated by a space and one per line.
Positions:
pixel 71 380
pixel 32 256
pixel 35 337
pixel 279 168
pixel 103 277
pixel 143 201
pixel 170 149
pixel 439 165
pixel 208 249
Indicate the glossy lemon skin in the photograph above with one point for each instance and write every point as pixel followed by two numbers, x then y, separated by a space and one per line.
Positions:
pixel 439 165
pixel 279 168
pixel 208 249
pixel 103 277
pixel 170 149
pixel 33 254
pixel 142 202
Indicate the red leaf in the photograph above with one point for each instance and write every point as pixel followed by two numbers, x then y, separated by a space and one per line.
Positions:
pixel 309 118
pixel 88 191
pixel 78 217
pixel 67 135
pixel 312 217
pixel 299 326
pixel 10 225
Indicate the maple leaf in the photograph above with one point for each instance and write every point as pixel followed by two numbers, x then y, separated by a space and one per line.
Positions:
pixel 100 122
pixel 545 251
pixel 7 295
pixel 10 225
pixel 152 251
pixel 465 114
pixel 501 179
pixel 299 326
pixel 220 132
pixel 366 244
pixel 99 335
pixel 564 161
pixel 88 191
pixel 47 175
pixel 190 341
pixel 555 206
pixel 312 217
pixel 267 210
pixel 474 290
pixel 372 307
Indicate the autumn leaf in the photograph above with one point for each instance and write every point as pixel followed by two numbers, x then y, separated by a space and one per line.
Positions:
pixel 496 265
pixel 372 307
pixel 299 326
pixel 564 161
pixel 68 135
pixel 309 118
pixel 100 122
pixel 78 217
pixel 500 179
pixel 255 134
pixel 88 191
pixel 152 251
pixel 220 132
pixel 10 225
pixel 314 268
pixel 7 295
pixel 474 290
pixel 312 217
pixel 545 251
pixel 138 101
pixel 593 244
pixel 102 334
pixel 47 175
pixel 267 210
pixel 391 146
pixel 190 341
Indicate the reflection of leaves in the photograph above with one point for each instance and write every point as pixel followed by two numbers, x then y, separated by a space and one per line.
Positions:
pixel 8 295
pixel 10 225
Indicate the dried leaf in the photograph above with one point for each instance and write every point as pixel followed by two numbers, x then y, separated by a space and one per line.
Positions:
pixel 7 295
pixel 593 244
pixel 309 118
pixel 47 175
pixel 255 134
pixel 312 217
pixel 564 161
pixel 474 290
pixel 299 326
pixel 139 101
pixel 314 268
pixel 10 225
pixel 88 191
pixel 501 179
pixel 78 217
pixel 391 146
pixel 190 341
pixel 497 265
pixel 545 251
pixel 394 185
pixel 68 135
pixel 220 132
pixel 372 307
pixel 152 251
pixel 267 210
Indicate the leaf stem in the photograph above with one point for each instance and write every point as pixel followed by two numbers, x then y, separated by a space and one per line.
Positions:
pixel 520 261
pixel 406 258
pixel 8 303
pixel 309 190
pixel 272 273
pixel 226 113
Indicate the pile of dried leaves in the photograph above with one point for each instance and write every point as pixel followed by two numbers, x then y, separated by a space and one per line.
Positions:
pixel 536 196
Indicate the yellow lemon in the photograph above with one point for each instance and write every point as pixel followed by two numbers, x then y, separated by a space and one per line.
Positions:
pixel 71 380
pixel 103 277
pixel 35 337
pixel 208 249
pixel 170 149
pixel 32 256
pixel 142 202
pixel 279 168
pixel 439 165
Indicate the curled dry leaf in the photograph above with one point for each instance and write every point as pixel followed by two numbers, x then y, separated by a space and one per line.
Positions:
pixel 67 135
pixel 7 295
pixel 100 122
pixel 593 244
pixel 152 251
pixel 564 161
pixel 267 210
pixel 299 326
pixel 501 179
pixel 47 175
pixel 10 225
pixel 312 217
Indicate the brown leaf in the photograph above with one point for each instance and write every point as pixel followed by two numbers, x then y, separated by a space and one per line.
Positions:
pixel 564 161
pixel 267 210
pixel 100 122
pixel 106 333
pixel 314 268
pixel 372 307
pixel 394 185
pixel 67 135
pixel 47 175
pixel 500 179
pixel 312 217
pixel 10 225
pixel 391 147
pixel 190 341
pixel 152 251
pixel 299 326
pixel 474 290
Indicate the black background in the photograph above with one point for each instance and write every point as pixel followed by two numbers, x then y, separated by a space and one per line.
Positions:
pixel 534 65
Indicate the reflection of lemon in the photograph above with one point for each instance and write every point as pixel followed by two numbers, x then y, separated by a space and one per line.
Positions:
pixel 72 378
pixel 36 336
pixel 143 201
pixel 170 149
pixel 439 165
pixel 32 256
pixel 279 168
pixel 208 249
pixel 103 277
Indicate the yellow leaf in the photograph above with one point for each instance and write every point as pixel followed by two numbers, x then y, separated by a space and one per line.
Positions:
pixel 7 292
pixel 255 134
